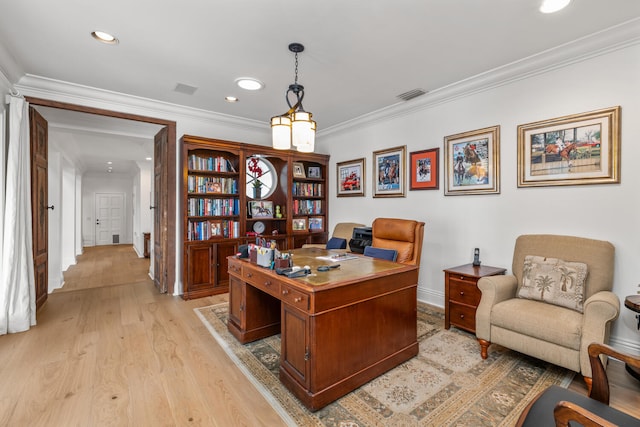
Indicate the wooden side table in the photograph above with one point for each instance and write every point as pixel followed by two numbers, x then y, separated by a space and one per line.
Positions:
pixel 632 302
pixel 462 296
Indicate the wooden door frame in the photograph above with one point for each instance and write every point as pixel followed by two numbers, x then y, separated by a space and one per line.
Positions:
pixel 169 245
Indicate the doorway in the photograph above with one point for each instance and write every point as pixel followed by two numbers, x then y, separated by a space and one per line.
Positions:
pixel 165 272
pixel 109 218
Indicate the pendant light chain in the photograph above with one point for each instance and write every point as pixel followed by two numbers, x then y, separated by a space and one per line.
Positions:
pixel 296 78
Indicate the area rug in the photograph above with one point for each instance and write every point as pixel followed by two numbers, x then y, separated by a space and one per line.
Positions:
pixel 446 384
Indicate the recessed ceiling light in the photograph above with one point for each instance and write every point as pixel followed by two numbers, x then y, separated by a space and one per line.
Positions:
pixel 109 163
pixel 551 6
pixel 231 99
pixel 148 158
pixel 249 83
pixel 103 37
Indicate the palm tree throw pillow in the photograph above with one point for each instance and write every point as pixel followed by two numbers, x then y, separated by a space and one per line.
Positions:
pixel 554 281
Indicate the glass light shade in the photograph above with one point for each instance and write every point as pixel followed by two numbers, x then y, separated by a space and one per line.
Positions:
pixel 281 132
pixel 551 6
pixel 303 129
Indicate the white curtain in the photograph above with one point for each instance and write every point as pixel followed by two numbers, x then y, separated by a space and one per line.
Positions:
pixel 17 289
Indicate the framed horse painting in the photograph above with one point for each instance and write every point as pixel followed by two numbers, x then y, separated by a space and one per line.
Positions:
pixel 571 150
pixel 472 161
pixel 389 172
pixel 424 169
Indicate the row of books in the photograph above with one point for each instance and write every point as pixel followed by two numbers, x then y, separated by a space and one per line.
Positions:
pixel 304 207
pixel 213 207
pixel 204 230
pixel 211 184
pixel 214 164
pixel 307 189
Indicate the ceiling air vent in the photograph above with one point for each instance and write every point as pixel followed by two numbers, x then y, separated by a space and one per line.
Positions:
pixel 186 89
pixel 412 94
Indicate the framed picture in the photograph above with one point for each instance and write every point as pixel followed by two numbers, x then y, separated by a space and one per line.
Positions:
pixel 472 162
pixel 316 223
pixel 313 172
pixel 424 169
pixel 351 178
pixel 261 209
pixel 389 172
pixel 571 150
pixel 299 224
pixel 298 170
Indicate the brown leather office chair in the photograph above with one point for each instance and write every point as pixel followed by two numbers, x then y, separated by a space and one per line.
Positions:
pixel 403 235
pixel 558 406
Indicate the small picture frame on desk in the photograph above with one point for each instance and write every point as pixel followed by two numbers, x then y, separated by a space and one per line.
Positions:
pixel 299 224
pixel 298 170
pixel 316 223
pixel 314 172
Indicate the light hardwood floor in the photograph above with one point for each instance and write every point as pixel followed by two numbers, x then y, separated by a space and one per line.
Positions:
pixel 124 355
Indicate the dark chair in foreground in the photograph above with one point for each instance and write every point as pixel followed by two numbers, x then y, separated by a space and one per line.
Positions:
pixel 557 406
pixel 381 253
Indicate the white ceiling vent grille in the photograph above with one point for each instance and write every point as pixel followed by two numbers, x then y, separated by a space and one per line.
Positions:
pixel 412 94
pixel 186 89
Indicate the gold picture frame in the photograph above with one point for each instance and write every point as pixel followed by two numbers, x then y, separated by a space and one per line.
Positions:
pixel 351 177
pixel 389 174
pixel 472 161
pixel 298 170
pixel 571 150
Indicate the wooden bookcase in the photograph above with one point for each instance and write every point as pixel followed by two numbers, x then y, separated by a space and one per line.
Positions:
pixel 217 200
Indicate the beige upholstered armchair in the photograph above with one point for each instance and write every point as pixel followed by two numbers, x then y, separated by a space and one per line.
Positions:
pixel 542 310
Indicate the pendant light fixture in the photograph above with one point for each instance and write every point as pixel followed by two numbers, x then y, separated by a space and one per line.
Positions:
pixel 295 127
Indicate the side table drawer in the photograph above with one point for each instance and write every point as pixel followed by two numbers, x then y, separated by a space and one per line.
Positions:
pixel 294 298
pixel 464 291
pixel 463 316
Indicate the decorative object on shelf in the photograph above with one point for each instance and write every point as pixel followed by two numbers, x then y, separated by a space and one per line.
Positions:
pixel 295 126
pixel 256 171
pixel 258 227
pixel 472 161
pixel 351 178
pixel 389 173
pixel 425 169
pixel 261 209
pixel 278 213
pixel 571 150
pixel 313 172
pixel 299 224
pixel 298 170
pixel 316 223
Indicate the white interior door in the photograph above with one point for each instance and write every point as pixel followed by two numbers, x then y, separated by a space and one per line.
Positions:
pixel 109 218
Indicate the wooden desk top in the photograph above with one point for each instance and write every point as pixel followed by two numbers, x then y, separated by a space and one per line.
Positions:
pixel 353 269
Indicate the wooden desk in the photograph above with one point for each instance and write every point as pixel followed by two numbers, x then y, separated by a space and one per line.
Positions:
pixel 339 329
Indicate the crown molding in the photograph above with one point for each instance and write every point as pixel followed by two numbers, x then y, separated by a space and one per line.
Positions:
pixel 596 44
pixel 72 93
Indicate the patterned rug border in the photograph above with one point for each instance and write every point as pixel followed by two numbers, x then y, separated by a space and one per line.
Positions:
pixel 280 400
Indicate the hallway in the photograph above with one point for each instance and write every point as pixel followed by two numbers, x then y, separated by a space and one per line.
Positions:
pixel 102 266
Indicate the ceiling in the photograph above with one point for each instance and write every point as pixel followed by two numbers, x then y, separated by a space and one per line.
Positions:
pixel 359 56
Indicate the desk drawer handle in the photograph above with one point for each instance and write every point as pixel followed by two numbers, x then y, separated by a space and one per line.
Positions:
pixel 267 283
pixel 285 292
pixel 462 316
pixel 249 275
pixel 462 277
pixel 297 299
pixel 461 293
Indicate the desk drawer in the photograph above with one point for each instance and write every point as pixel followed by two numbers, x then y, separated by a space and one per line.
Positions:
pixel 464 291
pixel 262 281
pixel 235 267
pixel 294 298
pixel 463 316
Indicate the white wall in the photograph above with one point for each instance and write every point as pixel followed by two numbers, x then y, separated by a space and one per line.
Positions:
pixel 105 183
pixel 457 224
pixel 54 198
pixel 68 209
pixel 141 202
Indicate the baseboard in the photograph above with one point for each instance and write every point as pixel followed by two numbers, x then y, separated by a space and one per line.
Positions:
pixel 625 345
pixel 431 297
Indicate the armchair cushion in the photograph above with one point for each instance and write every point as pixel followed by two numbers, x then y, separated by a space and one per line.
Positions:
pixel 554 281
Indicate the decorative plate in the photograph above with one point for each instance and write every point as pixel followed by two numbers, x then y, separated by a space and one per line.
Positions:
pixel 258 227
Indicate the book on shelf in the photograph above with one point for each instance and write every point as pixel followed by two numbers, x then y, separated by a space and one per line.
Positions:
pixel 204 230
pixel 211 164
